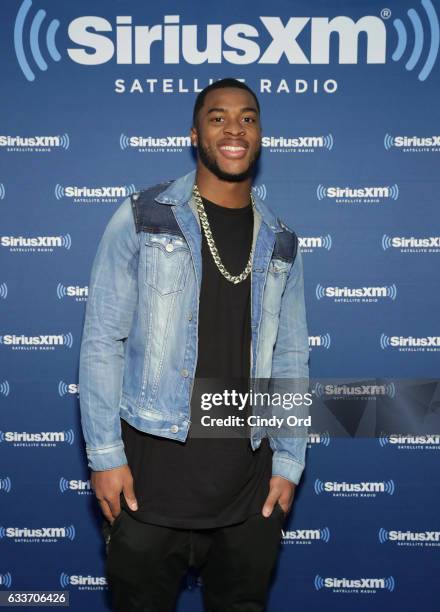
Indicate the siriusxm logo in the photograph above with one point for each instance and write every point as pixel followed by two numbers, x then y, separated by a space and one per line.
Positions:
pixel 343 390
pixel 34 144
pixel 90 195
pixel 98 40
pixel 299 144
pixel 358 585
pixel 5 485
pixel 409 441
pixel 410 343
pixel 37 243
pixel 357 195
pixel 410 244
pixel 79 293
pixel 153 144
pixel 322 438
pixel 354 489
pixel 45 534
pixel 412 144
pixel 42 438
pixel 306 536
pixel 323 340
pixel 356 294
pixel 409 538
pixel 82 487
pixel 41 342
pixel 84 583
pixel 67 388
pixel 308 244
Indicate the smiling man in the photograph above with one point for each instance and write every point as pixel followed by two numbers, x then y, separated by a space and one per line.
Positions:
pixel 196 284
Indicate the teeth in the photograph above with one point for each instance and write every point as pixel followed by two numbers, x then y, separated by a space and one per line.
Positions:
pixel 231 148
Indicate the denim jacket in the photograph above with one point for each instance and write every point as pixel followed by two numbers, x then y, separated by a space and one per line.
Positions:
pixel 139 344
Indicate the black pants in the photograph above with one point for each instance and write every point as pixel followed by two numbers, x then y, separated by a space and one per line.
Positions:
pixel 146 563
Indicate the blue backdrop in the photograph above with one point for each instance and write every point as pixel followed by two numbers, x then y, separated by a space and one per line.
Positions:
pixel 97 102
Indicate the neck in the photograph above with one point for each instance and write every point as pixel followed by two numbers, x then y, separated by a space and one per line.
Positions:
pixel 223 193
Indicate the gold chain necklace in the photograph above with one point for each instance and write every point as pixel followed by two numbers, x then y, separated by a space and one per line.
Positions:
pixel 211 243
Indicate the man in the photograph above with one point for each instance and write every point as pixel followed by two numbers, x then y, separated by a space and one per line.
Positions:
pixel 195 282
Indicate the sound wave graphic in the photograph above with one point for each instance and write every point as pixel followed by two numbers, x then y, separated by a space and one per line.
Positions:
pixel 321 192
pixel 390 583
pixel 386 242
pixel 383 439
pixel 63 388
pixel 419 40
pixel 68 339
pixel 318 582
pixel 325 534
pixel 66 241
pixel 63 484
pixel 59 192
pixel 3 290
pixel 326 242
pixel 326 340
pixel 392 291
pixel 70 532
pixel 382 535
pixel 34 34
pixel 6 580
pixel 64 580
pixel 389 487
pixel 318 486
pixel 124 141
pixel 70 436
pixel 2 191
pixel 5 388
pixel 260 190
pixel 319 291
pixel 5 484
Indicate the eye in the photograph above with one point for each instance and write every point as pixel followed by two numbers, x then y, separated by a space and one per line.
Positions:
pixel 216 119
pixel 249 119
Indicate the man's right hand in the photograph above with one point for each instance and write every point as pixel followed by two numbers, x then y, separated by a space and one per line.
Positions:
pixel 108 485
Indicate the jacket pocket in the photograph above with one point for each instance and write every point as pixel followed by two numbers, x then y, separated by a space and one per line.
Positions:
pixel 167 259
pixel 275 284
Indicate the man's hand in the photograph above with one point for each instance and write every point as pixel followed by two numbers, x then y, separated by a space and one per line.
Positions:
pixel 108 485
pixel 281 491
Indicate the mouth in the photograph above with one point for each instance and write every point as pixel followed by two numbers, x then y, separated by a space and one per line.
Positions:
pixel 233 151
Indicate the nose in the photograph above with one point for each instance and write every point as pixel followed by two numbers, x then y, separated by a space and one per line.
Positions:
pixel 233 127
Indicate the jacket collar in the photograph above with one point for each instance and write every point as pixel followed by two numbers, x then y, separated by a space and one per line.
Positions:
pixel 180 191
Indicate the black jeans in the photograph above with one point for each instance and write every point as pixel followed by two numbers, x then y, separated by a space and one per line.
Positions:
pixel 146 563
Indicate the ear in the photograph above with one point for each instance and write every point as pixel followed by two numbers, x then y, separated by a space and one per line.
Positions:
pixel 193 133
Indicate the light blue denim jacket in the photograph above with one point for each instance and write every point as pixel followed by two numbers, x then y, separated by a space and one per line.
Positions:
pixel 139 345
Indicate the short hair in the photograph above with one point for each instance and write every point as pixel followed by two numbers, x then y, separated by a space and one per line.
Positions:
pixel 228 82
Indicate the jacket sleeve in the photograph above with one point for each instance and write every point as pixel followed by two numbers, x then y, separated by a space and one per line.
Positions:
pixel 290 374
pixel 112 298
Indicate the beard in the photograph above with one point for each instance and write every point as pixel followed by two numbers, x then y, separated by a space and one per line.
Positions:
pixel 209 161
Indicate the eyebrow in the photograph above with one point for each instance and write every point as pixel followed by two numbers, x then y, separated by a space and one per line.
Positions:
pixel 244 109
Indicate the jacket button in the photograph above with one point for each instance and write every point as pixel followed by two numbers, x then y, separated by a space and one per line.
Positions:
pixel 184 372
pixel 169 247
pixel 174 429
pixel 190 316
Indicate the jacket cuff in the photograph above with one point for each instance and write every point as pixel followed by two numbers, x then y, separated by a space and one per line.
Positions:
pixel 285 466
pixel 106 458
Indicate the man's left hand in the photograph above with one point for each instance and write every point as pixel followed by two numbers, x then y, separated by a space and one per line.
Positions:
pixel 281 491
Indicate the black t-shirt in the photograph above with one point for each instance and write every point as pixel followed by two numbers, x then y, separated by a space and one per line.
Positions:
pixel 208 482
